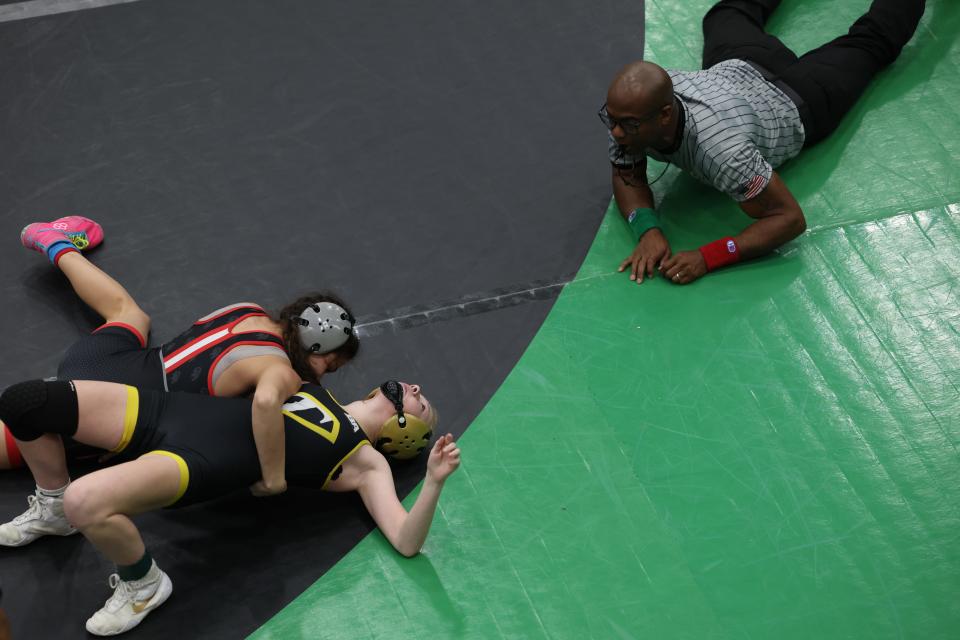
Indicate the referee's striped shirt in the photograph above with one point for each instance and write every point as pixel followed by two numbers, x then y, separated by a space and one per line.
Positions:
pixel 738 127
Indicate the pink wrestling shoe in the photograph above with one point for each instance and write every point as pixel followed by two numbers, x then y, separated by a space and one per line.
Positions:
pixel 52 238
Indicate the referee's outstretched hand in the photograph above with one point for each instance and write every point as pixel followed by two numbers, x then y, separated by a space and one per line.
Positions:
pixel 652 249
pixel 444 458
pixel 684 267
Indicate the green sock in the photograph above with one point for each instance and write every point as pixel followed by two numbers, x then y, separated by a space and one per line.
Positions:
pixel 137 570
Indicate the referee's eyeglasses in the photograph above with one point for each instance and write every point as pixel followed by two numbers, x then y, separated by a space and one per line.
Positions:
pixel 630 126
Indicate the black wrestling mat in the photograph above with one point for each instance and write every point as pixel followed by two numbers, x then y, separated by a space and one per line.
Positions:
pixel 439 164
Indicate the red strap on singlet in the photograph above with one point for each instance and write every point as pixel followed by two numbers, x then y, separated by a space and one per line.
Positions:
pixel 13 451
pixel 129 327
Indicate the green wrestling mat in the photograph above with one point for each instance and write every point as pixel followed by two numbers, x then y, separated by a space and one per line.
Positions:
pixel 771 452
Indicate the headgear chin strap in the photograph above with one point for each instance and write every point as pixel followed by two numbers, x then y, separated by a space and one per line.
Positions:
pixel 324 327
pixel 402 437
pixel 393 391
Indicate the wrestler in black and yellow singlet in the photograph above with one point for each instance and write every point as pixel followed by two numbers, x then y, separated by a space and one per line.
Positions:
pixel 212 439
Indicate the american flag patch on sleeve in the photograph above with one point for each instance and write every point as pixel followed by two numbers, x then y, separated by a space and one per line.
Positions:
pixel 755 186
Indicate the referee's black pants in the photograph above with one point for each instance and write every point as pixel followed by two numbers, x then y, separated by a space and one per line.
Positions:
pixel 829 79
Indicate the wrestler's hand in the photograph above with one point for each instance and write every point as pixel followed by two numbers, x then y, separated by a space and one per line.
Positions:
pixel 261 489
pixel 652 249
pixel 444 458
pixel 684 267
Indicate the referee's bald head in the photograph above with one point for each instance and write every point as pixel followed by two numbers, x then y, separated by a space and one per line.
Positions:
pixel 639 88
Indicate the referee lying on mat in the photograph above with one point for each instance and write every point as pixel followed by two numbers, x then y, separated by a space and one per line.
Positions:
pixel 752 109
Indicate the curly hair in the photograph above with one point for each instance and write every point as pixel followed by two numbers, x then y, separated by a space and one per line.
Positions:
pixel 300 357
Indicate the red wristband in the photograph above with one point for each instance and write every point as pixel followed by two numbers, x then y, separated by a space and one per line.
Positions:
pixel 720 253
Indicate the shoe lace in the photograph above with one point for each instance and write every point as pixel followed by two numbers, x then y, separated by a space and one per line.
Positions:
pixel 34 511
pixel 122 593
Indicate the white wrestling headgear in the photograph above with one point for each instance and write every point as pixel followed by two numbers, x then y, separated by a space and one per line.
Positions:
pixel 324 327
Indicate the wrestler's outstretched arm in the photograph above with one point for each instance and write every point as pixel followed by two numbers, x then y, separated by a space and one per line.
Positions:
pixel 406 531
pixel 276 384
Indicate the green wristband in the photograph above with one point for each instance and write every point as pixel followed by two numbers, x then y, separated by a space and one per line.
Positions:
pixel 642 220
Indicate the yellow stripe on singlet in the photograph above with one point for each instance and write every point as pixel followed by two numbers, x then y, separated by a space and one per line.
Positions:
pixel 342 460
pixel 129 418
pixel 184 472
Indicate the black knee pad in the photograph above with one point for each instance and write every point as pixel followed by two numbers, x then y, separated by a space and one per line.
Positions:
pixel 31 409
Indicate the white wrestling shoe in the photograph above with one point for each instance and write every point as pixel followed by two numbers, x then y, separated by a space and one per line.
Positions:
pixel 44 517
pixel 131 602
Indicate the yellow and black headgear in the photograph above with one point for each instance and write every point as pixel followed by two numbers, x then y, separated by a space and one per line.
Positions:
pixel 403 436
